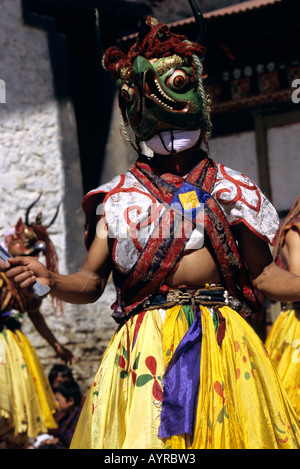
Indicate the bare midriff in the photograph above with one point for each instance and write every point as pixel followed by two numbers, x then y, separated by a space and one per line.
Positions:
pixel 196 268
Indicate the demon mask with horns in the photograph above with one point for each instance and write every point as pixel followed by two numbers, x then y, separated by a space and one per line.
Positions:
pixel 30 239
pixel 160 81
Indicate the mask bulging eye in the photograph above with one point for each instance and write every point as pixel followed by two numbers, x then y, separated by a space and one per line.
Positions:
pixel 127 92
pixel 178 80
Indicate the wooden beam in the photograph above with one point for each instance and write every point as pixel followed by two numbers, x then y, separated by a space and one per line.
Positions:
pixel 262 155
pixel 284 118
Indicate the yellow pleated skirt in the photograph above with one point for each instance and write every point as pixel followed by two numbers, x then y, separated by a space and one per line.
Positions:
pixel 241 403
pixel 27 403
pixel 283 345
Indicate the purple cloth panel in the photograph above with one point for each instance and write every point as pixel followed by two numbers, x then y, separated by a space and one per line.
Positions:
pixel 181 384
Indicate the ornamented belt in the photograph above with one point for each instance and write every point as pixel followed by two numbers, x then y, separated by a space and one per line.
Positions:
pixel 208 296
pixel 291 305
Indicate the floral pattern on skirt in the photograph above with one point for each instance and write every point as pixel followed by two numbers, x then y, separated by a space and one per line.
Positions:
pixel 241 402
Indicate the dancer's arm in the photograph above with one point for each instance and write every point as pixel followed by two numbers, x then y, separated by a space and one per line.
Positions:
pixel 292 241
pixel 272 281
pixel 84 286
pixel 42 328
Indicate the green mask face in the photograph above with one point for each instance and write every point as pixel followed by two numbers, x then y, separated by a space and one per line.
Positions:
pixel 161 94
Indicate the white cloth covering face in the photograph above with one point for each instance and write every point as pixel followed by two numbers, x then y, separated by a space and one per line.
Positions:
pixel 170 141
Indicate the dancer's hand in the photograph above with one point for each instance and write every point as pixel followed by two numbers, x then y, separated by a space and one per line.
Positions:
pixel 25 271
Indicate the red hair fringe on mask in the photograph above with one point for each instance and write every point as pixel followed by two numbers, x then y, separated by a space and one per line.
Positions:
pixel 159 42
pixel 51 259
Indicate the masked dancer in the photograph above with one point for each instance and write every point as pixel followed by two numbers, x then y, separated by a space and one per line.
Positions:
pixel 283 342
pixel 187 241
pixel 27 404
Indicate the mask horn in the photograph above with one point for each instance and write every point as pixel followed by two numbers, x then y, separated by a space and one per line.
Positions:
pixel 200 23
pixel 55 216
pixel 29 208
pixel 100 45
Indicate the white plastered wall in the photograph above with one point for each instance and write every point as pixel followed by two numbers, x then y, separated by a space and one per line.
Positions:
pixel 30 156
